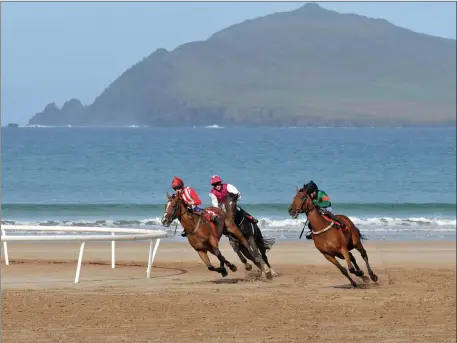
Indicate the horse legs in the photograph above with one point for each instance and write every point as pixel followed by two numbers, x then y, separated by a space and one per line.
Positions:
pixel 261 247
pixel 236 249
pixel 364 255
pixel 354 263
pixel 224 262
pixel 340 267
pixel 259 262
pixel 252 254
pixel 358 271
pixel 214 249
pixel 347 258
pixel 263 253
pixel 204 256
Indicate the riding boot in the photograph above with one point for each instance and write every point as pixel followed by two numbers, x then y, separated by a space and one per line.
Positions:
pixel 248 216
pixel 183 233
pixel 309 234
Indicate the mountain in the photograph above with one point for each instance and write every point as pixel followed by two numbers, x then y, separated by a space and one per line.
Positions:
pixel 310 66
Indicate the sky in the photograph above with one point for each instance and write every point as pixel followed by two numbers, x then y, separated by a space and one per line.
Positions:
pixel 55 51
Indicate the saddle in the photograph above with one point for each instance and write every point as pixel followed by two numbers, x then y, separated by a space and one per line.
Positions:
pixel 336 223
pixel 242 215
pixel 210 216
pixel 331 218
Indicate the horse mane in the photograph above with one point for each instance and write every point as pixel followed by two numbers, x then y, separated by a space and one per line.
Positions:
pixel 230 196
pixel 302 190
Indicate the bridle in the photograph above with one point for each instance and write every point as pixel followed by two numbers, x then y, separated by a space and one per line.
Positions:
pixel 312 208
pixel 173 213
pixel 300 208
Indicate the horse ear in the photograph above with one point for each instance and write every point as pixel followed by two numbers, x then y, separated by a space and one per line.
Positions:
pixel 168 196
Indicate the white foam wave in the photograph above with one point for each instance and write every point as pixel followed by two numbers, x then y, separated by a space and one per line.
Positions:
pixel 382 224
pixel 371 224
pixel 214 127
pixel 37 126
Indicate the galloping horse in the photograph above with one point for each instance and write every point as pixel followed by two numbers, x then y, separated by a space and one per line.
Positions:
pixel 250 231
pixel 201 233
pixel 332 240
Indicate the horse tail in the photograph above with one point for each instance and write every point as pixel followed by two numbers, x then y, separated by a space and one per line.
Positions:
pixel 362 237
pixel 266 242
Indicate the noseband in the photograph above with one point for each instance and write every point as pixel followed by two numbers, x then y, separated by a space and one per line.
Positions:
pixel 300 210
pixel 173 213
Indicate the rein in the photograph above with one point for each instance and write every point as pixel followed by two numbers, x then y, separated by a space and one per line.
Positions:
pixel 306 212
pixel 173 216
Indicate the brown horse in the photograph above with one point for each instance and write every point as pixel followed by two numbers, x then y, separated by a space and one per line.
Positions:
pixel 332 240
pixel 201 233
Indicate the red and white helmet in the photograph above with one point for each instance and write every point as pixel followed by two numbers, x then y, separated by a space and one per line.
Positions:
pixel 177 183
pixel 215 179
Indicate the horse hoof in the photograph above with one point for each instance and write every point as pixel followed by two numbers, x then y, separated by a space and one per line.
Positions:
pixel 224 272
pixel 374 277
pixel 365 279
pixel 269 275
pixel 274 273
pixel 248 266
pixel 233 268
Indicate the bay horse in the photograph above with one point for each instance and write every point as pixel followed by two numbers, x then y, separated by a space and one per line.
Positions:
pixel 332 240
pixel 250 231
pixel 201 233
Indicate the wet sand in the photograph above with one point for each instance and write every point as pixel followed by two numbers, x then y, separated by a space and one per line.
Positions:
pixel 311 301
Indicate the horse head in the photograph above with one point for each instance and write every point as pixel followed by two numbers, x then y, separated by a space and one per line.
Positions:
pixel 172 209
pixel 230 205
pixel 301 203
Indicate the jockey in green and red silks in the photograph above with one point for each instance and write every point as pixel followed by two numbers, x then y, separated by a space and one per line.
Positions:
pixel 322 202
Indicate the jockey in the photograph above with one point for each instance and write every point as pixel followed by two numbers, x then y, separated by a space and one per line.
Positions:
pixel 322 202
pixel 220 192
pixel 189 197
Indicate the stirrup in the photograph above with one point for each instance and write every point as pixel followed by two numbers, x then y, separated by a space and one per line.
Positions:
pixel 184 234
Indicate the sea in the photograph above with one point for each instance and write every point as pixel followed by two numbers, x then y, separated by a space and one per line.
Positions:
pixel 396 184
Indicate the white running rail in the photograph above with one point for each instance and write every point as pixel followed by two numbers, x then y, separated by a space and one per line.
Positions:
pixel 104 234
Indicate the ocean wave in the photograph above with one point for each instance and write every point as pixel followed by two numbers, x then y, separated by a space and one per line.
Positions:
pixel 382 224
pixel 214 127
pixel 38 126
pixel 372 224
pixel 426 208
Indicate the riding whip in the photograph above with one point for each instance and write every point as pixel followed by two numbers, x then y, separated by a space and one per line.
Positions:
pixel 303 230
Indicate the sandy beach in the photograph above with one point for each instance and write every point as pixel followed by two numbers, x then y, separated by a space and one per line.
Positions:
pixel 414 300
